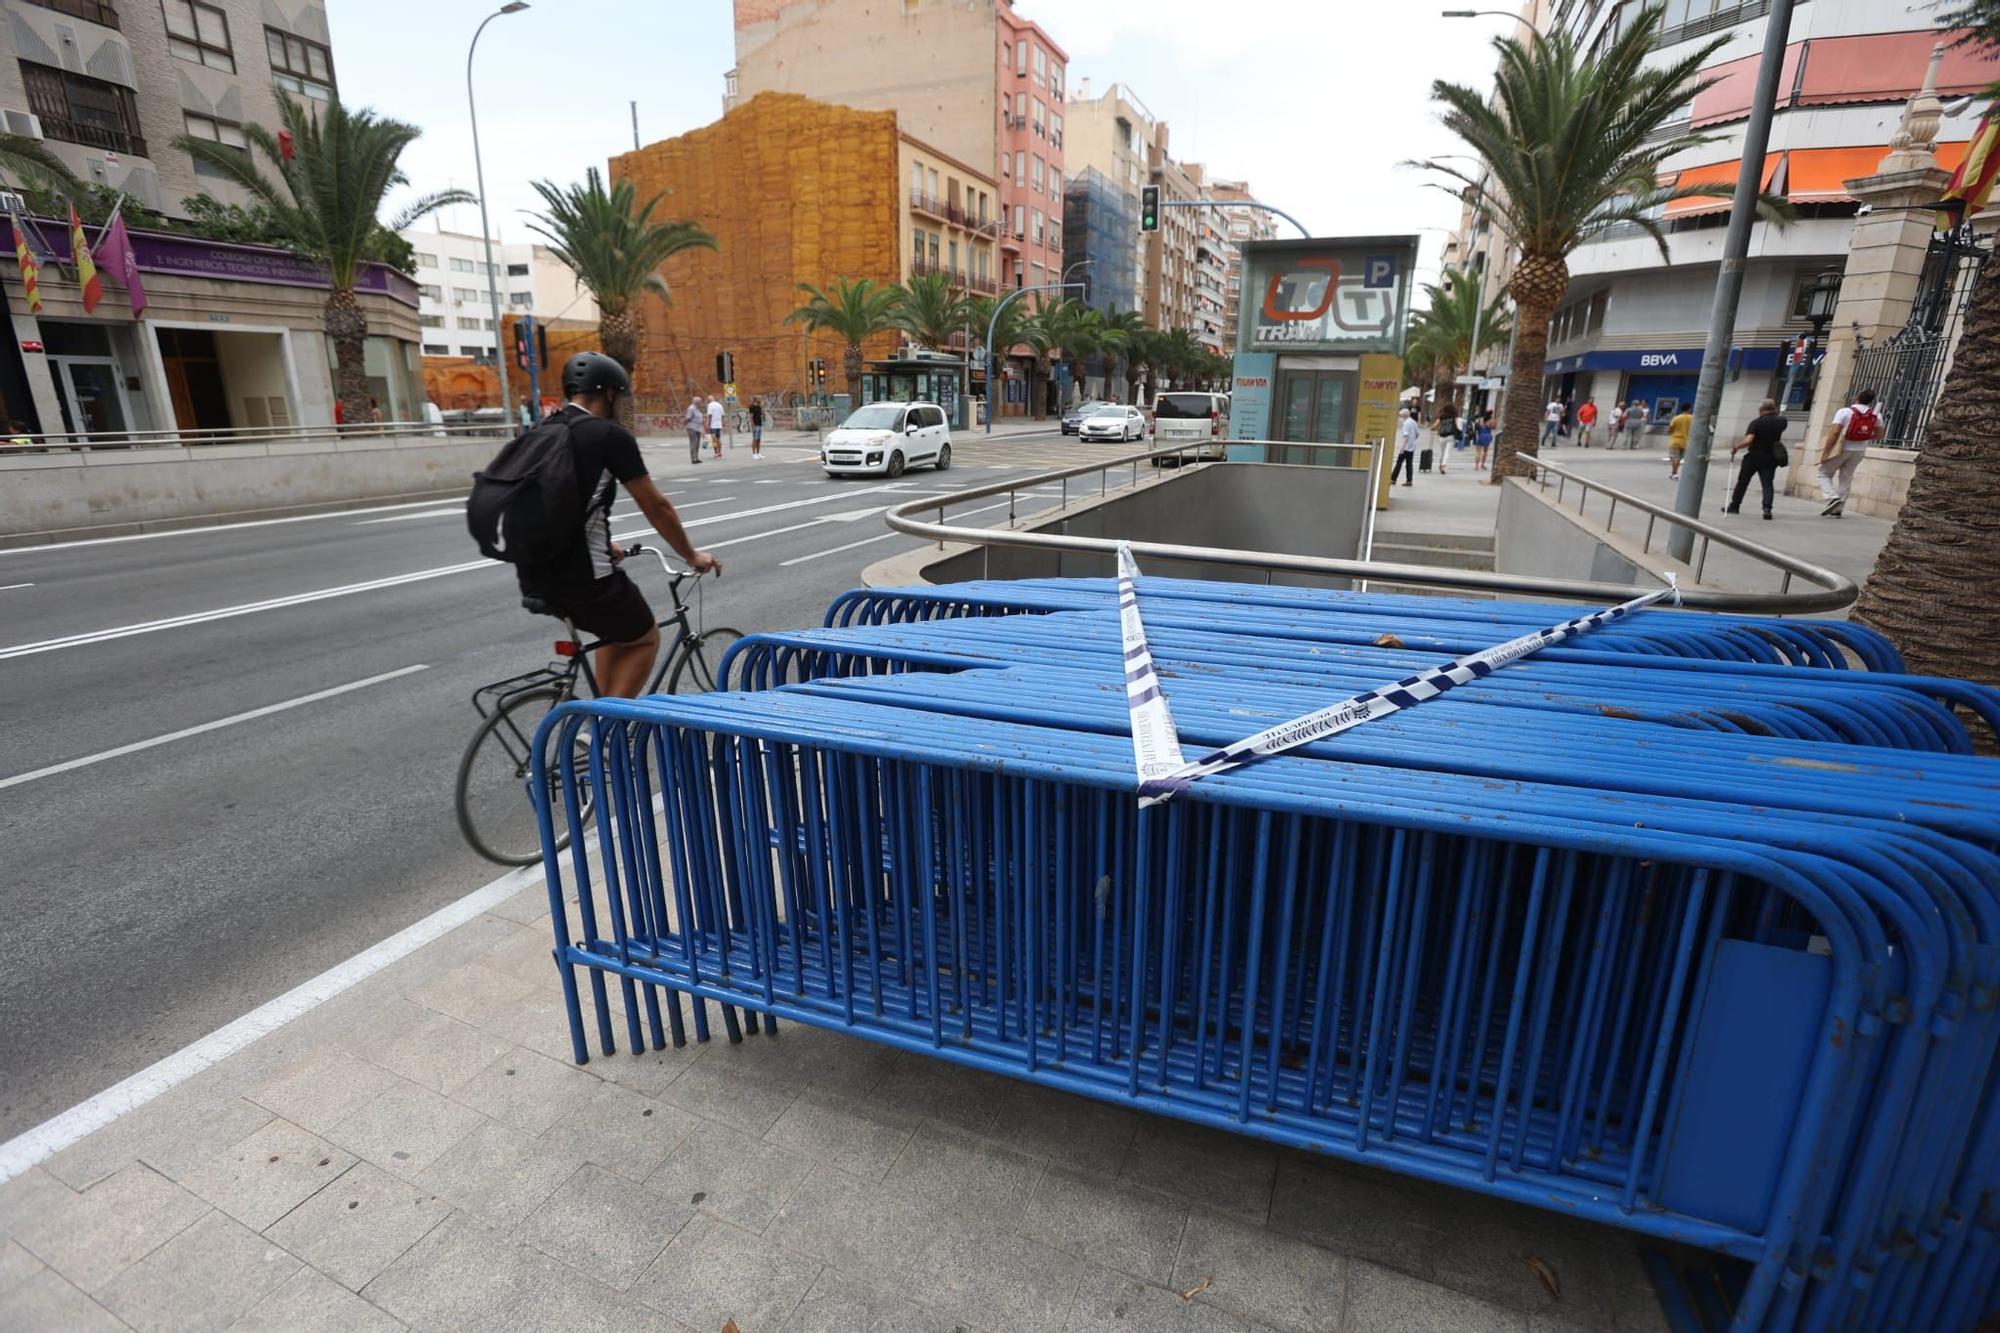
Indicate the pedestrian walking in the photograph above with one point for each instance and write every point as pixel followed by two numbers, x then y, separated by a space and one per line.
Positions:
pixel 715 423
pixel 1552 420
pixel 1765 455
pixel 1406 449
pixel 1449 435
pixel 1635 422
pixel 1586 422
pixel 1854 428
pixel 1677 441
pixel 692 419
pixel 1482 440
pixel 757 432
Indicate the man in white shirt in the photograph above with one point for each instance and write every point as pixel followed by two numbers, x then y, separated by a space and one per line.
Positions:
pixel 1406 449
pixel 715 424
pixel 1854 428
pixel 1552 420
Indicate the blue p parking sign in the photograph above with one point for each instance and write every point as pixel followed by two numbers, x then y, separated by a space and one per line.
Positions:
pixel 1378 271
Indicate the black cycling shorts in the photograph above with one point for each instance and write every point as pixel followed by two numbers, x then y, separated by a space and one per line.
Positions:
pixel 611 608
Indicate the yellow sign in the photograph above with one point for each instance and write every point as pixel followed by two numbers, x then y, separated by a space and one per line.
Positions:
pixel 729 390
pixel 1375 412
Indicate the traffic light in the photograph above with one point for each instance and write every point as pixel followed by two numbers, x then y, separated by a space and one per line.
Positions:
pixel 817 373
pixel 725 367
pixel 521 343
pixel 1149 208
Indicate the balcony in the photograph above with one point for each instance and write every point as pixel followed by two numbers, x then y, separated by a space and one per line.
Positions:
pixel 928 203
pixel 97 11
pixel 921 266
pixel 93 136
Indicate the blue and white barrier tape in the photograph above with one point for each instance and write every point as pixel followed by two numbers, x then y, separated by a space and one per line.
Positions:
pixel 1156 743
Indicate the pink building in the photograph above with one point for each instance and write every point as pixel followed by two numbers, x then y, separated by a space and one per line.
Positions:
pixel 1032 74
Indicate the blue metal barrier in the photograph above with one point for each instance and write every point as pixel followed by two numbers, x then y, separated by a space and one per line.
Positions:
pixel 1695 933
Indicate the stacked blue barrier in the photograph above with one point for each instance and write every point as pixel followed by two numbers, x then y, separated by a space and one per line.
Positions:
pixel 1688 926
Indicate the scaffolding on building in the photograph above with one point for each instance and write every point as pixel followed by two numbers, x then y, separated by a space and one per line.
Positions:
pixel 1101 225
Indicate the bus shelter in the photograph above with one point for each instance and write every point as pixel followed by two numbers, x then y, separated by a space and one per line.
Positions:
pixel 918 375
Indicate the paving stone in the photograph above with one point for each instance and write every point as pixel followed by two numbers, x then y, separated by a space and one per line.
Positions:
pixel 858 1138
pixel 1229 1172
pixel 1367 1214
pixel 438 1052
pixel 1118 1225
pixel 714 1272
pixel 472 990
pixel 835 1063
pixel 528 907
pixel 406 1128
pixel 1071 1131
pixel 748 1097
pixel 499 1173
pixel 730 1175
pixel 604 1225
pixel 1108 1302
pixel 1260 1275
pixel 45 1301
pixel 621 1131
pixel 539 1022
pixel 838 1304
pixel 310 1302
pixel 203 1278
pixel 649 1073
pixel 357 1226
pixel 1382 1299
pixel 1484 1245
pixel 957 1173
pixel 16 1266
pixel 862 1228
pixel 997 1279
pixel 467 1275
pixel 323 1089
pixel 938 1090
pixel 173 1133
pixel 98 1234
pixel 268 1174
pixel 528 953
pixel 32 1194
pixel 526 1090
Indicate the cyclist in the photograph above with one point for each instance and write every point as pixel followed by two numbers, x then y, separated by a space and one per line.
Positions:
pixel 586 584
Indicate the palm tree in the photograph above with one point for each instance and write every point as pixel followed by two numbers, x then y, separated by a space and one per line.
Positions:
pixel 327 203
pixel 852 310
pixel 1441 335
pixel 1006 334
pixel 27 163
pixel 1931 590
pixel 1571 146
pixel 615 249
pixel 1121 330
pixel 931 310
pixel 1083 334
pixel 1043 331
pixel 1179 356
pixel 1144 352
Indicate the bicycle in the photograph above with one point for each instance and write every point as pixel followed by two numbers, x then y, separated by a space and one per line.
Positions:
pixel 495 812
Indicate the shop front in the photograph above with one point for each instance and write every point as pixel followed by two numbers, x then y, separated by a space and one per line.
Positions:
pixel 1663 379
pixel 918 376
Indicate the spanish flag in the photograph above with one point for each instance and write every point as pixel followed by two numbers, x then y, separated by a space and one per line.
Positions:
pixel 1972 184
pixel 31 272
pixel 86 270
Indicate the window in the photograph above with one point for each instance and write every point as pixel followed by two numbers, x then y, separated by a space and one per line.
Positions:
pixel 431 321
pixel 951 256
pixel 1040 171
pixel 916 178
pixel 1020 109
pixel 1020 221
pixel 216 131
pixel 468 322
pixel 520 298
pixel 1040 119
pixel 437 349
pixel 931 182
pixel 1020 57
pixel 1021 165
pixel 97 11
pixel 76 109
pixel 464 294
pixel 299 65
pixel 933 240
pixel 1035 217
pixel 1055 182
pixel 461 266
pixel 424 260
pixel 1055 130
pixel 199 32
pixel 1055 81
pixel 917 250
pixel 489 326
pixel 1055 234
pixel 1007 165
pixel 1006 54
pixel 474 351
pixel 1041 58
pixel 430 291
pixel 517 270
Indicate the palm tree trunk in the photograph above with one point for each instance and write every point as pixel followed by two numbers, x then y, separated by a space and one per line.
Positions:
pixel 620 336
pixel 347 327
pixel 850 363
pixel 1932 589
pixel 1537 286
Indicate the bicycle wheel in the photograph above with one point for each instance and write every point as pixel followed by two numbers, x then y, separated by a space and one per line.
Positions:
pixel 698 659
pixel 494 811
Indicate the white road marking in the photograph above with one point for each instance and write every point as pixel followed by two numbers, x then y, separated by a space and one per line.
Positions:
pixel 842 493
pixel 847 517
pixel 456 511
pixel 217 527
pixel 119 752
pixel 58 1132
pixel 9 587
pixel 865 541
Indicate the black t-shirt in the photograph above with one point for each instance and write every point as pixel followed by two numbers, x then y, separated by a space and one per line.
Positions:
pixel 1764 433
pixel 605 454
pixel 756 414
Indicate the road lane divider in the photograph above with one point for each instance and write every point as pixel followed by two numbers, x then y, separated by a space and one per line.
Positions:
pixel 119 752
pixel 216 527
pixel 9 587
pixel 869 541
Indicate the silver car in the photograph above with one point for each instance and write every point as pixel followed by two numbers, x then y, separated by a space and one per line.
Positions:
pixel 1113 422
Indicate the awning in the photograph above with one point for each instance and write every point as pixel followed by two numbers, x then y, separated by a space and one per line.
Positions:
pixel 1716 173
pixel 1820 175
pixel 1733 87
pixel 1889 67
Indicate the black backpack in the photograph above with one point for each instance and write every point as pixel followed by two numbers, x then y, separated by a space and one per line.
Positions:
pixel 524 508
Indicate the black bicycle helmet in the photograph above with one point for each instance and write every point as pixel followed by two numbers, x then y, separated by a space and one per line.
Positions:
pixel 593 372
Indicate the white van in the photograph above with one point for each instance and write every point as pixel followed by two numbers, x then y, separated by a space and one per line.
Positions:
pixel 1191 417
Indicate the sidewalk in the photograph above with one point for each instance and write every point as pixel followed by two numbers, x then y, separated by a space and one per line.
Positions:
pixel 420 1151
pixel 1461 502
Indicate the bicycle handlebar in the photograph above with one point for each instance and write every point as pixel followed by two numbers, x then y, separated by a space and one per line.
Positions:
pixel 640 548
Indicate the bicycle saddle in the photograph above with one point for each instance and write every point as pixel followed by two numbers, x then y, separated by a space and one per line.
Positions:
pixel 535 606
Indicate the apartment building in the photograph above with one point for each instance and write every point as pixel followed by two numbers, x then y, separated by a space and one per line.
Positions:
pixel 1241 226
pixel 1106 147
pixel 455 307
pixel 1186 264
pixel 983 84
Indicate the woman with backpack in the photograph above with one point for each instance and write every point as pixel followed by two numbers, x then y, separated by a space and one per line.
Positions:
pixel 1448 434
pixel 1854 428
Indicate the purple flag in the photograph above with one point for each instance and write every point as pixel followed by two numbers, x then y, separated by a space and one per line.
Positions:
pixel 114 256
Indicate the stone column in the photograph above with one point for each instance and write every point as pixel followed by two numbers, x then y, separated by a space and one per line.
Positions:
pixel 1885 261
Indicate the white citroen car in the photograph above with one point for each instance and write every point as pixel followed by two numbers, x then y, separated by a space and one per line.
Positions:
pixel 882 439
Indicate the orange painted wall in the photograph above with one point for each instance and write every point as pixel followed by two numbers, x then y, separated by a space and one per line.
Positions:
pixel 793 191
pixel 458 382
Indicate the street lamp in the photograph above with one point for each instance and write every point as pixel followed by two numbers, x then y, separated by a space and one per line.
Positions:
pixel 1821 297
pixel 486 231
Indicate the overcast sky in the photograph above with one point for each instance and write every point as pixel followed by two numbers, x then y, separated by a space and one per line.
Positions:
pixel 1314 101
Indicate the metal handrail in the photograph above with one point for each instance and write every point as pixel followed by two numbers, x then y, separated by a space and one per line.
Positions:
pixel 82 442
pixel 1837 591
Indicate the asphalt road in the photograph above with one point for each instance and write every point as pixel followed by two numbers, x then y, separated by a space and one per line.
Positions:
pixel 152 894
